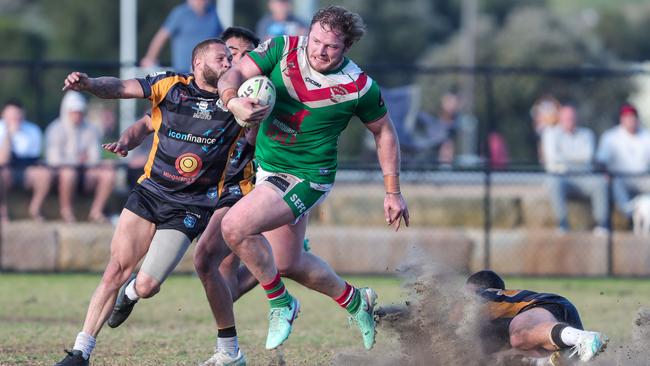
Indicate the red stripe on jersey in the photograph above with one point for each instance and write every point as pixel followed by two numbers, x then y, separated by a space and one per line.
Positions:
pixel 298 81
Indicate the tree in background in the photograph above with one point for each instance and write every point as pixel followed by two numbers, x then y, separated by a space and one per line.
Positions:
pixel 544 33
pixel 531 37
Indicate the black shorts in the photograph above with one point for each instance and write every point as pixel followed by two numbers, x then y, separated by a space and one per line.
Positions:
pixel 234 190
pixel 495 334
pixel 562 309
pixel 190 220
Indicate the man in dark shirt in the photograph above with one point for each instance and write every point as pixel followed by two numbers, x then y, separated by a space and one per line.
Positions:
pixel 194 136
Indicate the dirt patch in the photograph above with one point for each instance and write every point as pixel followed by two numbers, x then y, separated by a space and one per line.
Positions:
pixel 428 333
pixel 425 333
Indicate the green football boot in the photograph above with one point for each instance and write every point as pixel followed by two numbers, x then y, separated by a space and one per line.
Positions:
pixel 365 317
pixel 280 323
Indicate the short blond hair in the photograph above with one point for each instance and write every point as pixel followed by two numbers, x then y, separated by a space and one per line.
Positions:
pixel 343 21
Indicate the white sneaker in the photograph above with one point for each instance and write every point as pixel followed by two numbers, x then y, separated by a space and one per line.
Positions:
pixel 589 345
pixel 221 358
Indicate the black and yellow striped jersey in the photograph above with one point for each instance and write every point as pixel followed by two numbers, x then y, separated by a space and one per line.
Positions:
pixel 499 304
pixel 194 139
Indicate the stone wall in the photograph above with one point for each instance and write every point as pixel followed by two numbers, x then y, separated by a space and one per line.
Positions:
pixel 348 230
pixel 360 250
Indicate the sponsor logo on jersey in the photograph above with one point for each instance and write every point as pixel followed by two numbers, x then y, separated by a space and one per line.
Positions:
pixel 188 165
pixel 190 220
pixel 285 129
pixel 320 186
pixel 188 137
pixel 338 92
pixel 235 190
pixel 278 182
pixel 157 73
pixel 323 171
pixel 298 203
pixel 221 106
pixel 202 110
pixel 213 193
pixel 313 82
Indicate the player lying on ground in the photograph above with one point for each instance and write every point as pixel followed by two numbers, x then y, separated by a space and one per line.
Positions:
pixel 535 324
pixel 178 191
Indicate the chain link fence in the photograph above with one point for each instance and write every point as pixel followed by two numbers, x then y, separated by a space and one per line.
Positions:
pixel 477 188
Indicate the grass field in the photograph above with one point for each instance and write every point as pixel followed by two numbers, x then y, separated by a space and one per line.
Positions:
pixel 41 314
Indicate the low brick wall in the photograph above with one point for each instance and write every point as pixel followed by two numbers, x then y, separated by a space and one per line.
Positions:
pixel 360 250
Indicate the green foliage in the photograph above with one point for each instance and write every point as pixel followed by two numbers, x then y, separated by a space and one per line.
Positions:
pixel 624 31
pixel 531 37
pixel 83 30
pixel 542 33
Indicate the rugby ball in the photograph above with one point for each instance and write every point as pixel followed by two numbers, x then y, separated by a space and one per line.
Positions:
pixel 259 87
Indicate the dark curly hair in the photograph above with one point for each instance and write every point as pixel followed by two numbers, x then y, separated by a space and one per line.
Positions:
pixel 342 21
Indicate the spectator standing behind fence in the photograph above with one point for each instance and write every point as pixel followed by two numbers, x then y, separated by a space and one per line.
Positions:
pixel 280 21
pixel 186 25
pixel 568 158
pixel 624 150
pixel 73 150
pixel 452 134
pixel 544 113
pixel 21 144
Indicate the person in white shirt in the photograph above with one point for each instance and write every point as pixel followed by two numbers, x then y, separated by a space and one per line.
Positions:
pixel 73 149
pixel 568 157
pixel 624 150
pixel 20 150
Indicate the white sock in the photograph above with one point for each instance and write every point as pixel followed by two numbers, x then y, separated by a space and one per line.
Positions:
pixel 84 343
pixel 228 345
pixel 130 291
pixel 570 335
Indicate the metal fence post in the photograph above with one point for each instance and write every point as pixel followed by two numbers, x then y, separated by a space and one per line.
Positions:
pixel 610 223
pixel 487 172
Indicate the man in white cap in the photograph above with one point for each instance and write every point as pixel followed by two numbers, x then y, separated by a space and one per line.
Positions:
pixel 73 149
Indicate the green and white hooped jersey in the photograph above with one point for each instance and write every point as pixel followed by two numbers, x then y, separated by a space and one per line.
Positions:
pixel 311 109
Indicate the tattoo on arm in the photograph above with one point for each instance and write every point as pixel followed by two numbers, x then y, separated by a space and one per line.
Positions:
pixel 107 87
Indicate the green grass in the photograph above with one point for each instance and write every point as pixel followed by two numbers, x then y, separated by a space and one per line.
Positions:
pixel 41 314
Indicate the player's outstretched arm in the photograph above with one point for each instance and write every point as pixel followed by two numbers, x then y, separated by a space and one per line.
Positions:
pixel 395 207
pixel 106 87
pixel 131 137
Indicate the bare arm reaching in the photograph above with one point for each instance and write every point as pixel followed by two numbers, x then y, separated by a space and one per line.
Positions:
pixel 131 137
pixel 156 45
pixel 389 159
pixel 106 87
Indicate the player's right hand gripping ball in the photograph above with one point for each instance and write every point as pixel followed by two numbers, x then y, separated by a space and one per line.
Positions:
pixel 259 87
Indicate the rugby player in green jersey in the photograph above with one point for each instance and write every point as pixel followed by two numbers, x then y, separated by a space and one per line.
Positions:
pixel 318 91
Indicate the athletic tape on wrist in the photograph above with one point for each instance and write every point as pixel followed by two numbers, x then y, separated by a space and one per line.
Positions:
pixel 391 183
pixel 227 95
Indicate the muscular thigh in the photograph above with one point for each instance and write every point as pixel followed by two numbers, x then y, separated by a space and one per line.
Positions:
pixel 132 238
pixel 287 242
pixel 259 211
pixel 211 239
pixel 531 318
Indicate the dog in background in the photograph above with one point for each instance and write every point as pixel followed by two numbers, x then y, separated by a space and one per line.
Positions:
pixel 641 214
